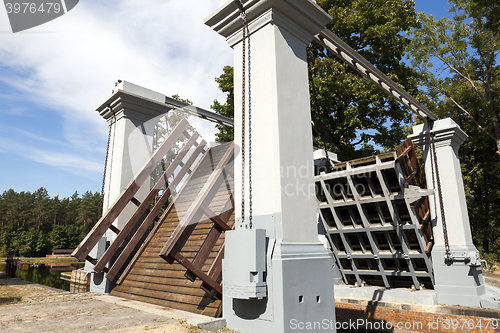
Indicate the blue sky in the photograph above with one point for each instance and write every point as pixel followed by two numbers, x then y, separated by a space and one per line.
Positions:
pixel 53 77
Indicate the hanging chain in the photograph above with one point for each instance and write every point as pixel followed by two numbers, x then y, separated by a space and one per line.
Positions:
pixel 434 164
pixel 105 167
pixel 107 155
pixel 250 215
pixel 244 18
pixel 245 40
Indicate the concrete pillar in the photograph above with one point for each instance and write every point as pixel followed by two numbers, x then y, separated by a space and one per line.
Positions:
pixel 130 110
pixel 299 268
pixel 458 281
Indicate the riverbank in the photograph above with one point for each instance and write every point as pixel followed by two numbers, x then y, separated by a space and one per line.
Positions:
pixel 45 260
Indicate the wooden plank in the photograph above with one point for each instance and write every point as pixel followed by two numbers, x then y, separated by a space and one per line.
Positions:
pixel 127 194
pixel 207 311
pixel 162 268
pixel 206 301
pixel 194 211
pixel 170 207
pixel 117 231
pixel 177 289
pixel 94 262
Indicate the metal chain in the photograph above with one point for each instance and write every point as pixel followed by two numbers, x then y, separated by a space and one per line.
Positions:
pixel 107 154
pixel 250 215
pixel 105 167
pixel 434 164
pixel 244 18
pixel 245 40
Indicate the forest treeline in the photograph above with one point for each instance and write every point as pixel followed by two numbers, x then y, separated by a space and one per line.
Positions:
pixel 32 224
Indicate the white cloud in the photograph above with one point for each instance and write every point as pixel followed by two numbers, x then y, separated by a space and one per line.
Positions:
pixel 161 45
pixel 72 162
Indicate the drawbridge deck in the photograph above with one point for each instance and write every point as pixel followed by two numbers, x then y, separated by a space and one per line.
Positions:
pixel 152 279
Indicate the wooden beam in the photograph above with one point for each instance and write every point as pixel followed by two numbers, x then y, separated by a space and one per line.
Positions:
pixel 219 222
pixel 215 270
pixel 202 276
pixel 410 177
pixel 403 154
pixel 94 261
pixel 127 194
pixel 117 231
pixel 212 238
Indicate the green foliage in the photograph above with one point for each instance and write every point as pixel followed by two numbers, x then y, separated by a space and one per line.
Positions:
pixel 226 84
pixel 456 60
pixel 353 116
pixel 32 224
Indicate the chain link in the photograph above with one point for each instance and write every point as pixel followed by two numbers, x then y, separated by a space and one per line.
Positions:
pixel 244 18
pixel 434 164
pixel 106 161
pixel 250 215
pixel 245 40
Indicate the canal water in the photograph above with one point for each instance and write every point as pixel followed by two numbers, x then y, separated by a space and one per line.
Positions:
pixel 46 274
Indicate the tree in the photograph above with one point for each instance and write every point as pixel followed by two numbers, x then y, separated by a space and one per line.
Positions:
pixel 40 208
pixel 456 60
pixel 353 116
pixel 59 238
pixel 466 49
pixel 31 222
pixel 226 84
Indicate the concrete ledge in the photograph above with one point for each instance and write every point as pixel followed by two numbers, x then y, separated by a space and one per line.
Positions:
pixel 213 325
pixel 399 295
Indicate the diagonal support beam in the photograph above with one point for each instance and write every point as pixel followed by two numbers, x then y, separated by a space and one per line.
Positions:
pixel 128 193
pixel 106 257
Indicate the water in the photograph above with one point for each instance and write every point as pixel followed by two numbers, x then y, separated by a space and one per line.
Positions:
pixel 48 275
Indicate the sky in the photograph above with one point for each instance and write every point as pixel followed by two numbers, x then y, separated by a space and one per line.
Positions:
pixel 54 76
